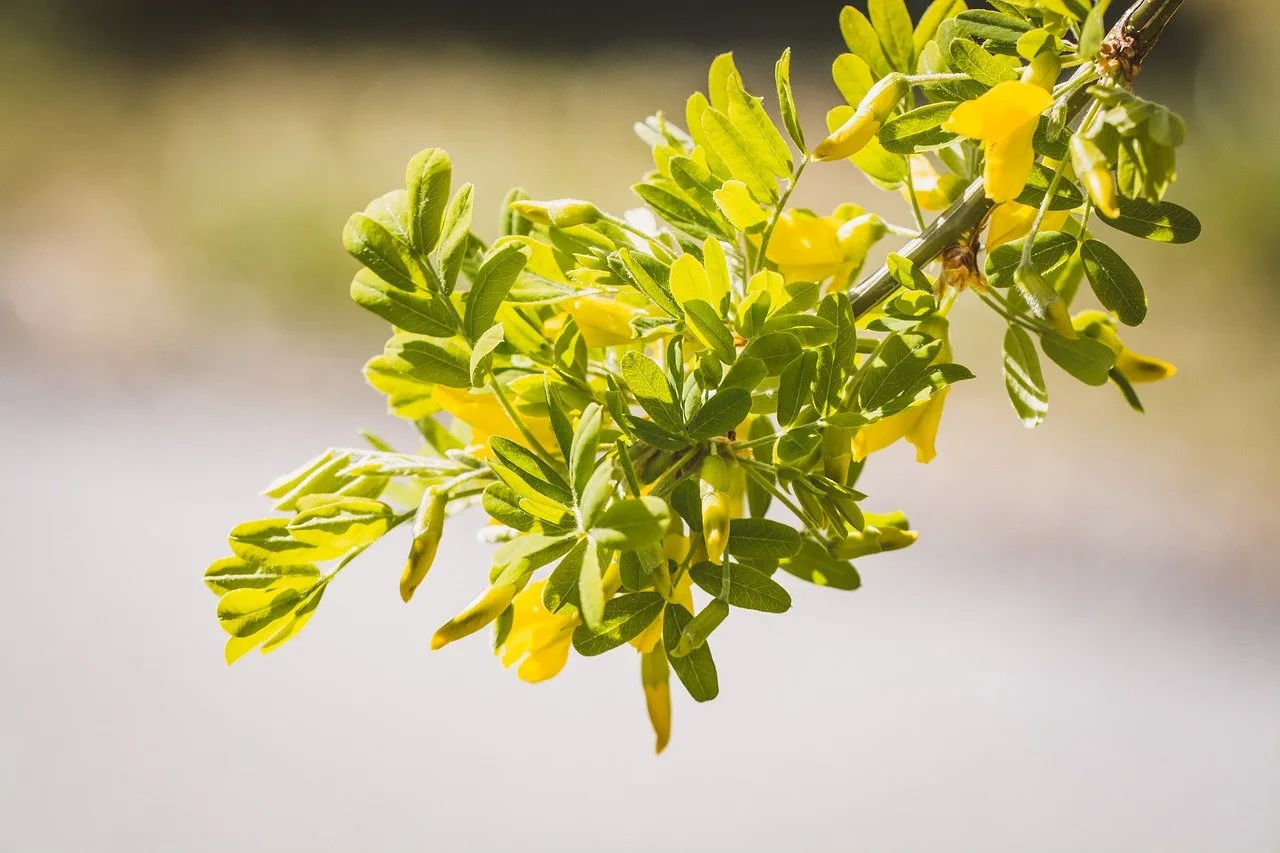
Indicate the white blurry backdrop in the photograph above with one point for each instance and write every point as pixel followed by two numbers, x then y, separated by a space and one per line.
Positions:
pixel 1081 653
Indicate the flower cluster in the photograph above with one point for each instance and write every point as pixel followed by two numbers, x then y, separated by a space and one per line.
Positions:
pixel 629 398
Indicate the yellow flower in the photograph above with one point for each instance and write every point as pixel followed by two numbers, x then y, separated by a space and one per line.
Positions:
pixel 933 191
pixel 645 641
pixel 1004 118
pixel 1011 220
pixel 1134 366
pixel 539 639
pixel 805 247
pixel 603 321
pixel 485 415
pixel 918 424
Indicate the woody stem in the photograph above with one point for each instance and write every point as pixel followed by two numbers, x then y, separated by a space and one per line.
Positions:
pixel 1141 26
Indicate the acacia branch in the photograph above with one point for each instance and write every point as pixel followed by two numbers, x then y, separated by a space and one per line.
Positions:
pixel 1127 45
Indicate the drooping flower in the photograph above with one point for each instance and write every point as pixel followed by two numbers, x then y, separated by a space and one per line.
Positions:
pixel 1011 221
pixel 918 423
pixel 1134 366
pixel 807 247
pixel 538 638
pixel 485 415
pixel 934 191
pixel 1005 119
pixel 603 321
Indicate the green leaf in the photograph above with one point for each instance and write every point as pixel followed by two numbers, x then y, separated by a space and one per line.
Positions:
pixel 269 541
pixel 927 27
pixel 296 621
pixel 389 257
pixel 1114 283
pixel 775 349
pixel 1084 358
pixel 502 503
pixel 245 612
pixel 238 573
pixel 744 373
pixel 749 588
pixel 816 566
pixel 852 77
pixel 988 25
pixel 490 286
pixel 762 537
pixel 968 58
pixel 582 451
pixel 919 129
pixel 410 310
pixel 764 142
pixel 678 209
pixel 590 587
pixel 1051 250
pixel 1066 195
pixel 515 561
pixel 649 383
pixel 455 236
pixel 708 326
pixel 795 386
pixel 786 100
pixel 655 436
pixel 739 155
pixel 624 618
pixel 892 23
pixel 907 273
pixel 535 473
pixel 632 523
pixel 1022 377
pixel 427 360
pixel 894 369
pixel 342 525
pixel 735 202
pixel 700 628
pixel 633 270
pixel 688 280
pixel 720 414
pixel 809 329
pixel 1163 222
pixel 696 670
pixel 861 38
pixel 482 354
pixel 427 179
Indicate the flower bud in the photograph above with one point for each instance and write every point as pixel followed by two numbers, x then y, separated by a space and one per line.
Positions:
pixel 852 136
pixel 715 483
pixel 475 616
pixel 1091 165
pixel 837 452
pixel 428 527
pixel 1044 300
pixel 562 213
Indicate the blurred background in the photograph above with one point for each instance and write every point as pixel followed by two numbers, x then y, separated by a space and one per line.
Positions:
pixel 1082 653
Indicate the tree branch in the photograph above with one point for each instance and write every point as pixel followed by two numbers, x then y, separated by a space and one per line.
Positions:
pixel 1128 44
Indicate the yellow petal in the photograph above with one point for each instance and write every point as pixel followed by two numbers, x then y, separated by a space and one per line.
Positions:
pixel 999 113
pixel 802 239
pixel 1143 368
pixel 544 663
pixel 924 432
pixel 484 414
pixel 604 322
pixel 882 433
pixel 1008 164
pixel 649 637
pixel 655 676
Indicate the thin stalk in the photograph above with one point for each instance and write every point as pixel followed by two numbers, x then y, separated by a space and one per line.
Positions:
pixel 777 213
